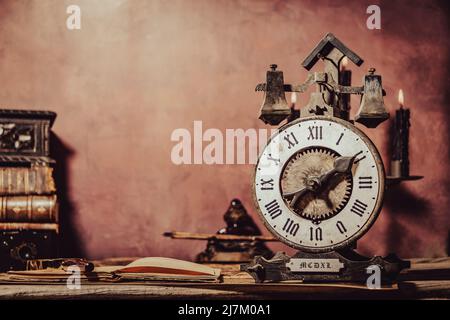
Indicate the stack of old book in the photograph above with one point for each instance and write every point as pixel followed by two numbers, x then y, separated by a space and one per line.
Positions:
pixel 28 205
pixel 28 198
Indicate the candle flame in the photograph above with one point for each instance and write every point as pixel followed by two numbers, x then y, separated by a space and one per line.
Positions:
pixel 293 97
pixel 344 62
pixel 401 98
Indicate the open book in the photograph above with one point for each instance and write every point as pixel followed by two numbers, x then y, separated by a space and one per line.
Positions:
pixel 162 269
pixel 144 269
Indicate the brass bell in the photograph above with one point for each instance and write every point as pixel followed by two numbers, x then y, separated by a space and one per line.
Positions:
pixel 275 107
pixel 372 111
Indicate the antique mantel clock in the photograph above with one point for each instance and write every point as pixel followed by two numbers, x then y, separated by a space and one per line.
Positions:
pixel 319 182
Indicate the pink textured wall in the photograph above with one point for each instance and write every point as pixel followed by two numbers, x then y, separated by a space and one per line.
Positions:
pixel 139 69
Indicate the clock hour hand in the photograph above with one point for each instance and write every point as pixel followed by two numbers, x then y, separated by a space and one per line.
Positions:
pixel 297 195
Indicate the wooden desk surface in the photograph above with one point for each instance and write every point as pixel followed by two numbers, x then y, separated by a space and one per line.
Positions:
pixel 427 279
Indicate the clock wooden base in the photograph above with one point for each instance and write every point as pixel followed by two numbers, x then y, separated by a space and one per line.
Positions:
pixel 335 266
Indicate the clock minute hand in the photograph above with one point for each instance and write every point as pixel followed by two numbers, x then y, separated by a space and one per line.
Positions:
pixel 341 165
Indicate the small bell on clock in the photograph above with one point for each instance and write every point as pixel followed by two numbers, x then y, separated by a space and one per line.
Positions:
pixel 372 111
pixel 275 107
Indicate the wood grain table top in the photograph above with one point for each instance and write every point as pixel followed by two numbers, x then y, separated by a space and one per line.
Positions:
pixel 426 279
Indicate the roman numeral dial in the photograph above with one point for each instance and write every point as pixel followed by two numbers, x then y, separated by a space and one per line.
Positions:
pixel 291 140
pixel 358 208
pixel 319 184
pixel 267 184
pixel 315 133
pixel 291 227
pixel 365 182
pixel 273 208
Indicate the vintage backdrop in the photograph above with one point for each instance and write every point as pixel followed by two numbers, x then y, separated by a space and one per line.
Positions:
pixel 139 69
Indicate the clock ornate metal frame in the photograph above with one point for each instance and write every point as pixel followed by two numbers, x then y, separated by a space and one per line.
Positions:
pixel 319 183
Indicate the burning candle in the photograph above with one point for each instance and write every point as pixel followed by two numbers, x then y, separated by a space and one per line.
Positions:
pixel 345 79
pixel 400 154
pixel 293 99
pixel 294 113
pixel 401 98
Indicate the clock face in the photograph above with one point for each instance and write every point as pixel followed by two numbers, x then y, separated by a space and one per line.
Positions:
pixel 319 184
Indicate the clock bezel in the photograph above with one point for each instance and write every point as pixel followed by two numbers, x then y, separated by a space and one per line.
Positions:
pixel 378 204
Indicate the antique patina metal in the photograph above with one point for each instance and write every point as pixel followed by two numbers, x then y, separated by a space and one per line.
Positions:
pixel 239 241
pixel 335 266
pixel 330 90
pixel 372 111
pixel 316 182
pixel 275 108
